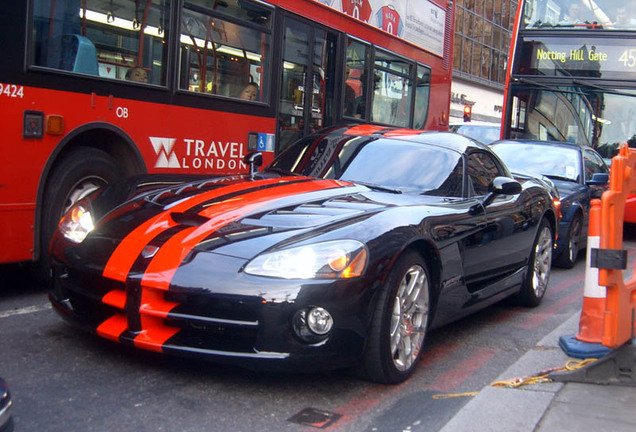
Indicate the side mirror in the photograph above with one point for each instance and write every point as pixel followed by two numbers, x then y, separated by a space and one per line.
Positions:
pixel 498 186
pixel 504 186
pixel 598 179
pixel 254 160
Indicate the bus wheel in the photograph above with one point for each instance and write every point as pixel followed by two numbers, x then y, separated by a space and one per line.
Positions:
pixel 80 173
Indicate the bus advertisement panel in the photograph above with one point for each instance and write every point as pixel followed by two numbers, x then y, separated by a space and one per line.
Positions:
pixel 94 90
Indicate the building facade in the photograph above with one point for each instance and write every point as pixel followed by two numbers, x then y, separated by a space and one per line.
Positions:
pixel 482 39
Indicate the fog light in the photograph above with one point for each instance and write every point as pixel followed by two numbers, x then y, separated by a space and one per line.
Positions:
pixel 319 321
pixel 312 325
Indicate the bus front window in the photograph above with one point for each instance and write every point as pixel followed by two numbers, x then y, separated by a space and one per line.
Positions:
pixel 564 14
pixel 603 120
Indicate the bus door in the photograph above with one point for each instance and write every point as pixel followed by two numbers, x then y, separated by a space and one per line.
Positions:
pixel 307 94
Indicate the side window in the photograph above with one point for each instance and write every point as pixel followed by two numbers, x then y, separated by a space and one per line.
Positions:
pixel 481 169
pixel 593 164
pixel 355 64
pixel 224 49
pixel 126 41
pixel 392 89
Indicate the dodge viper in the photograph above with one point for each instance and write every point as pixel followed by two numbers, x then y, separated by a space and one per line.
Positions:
pixel 342 253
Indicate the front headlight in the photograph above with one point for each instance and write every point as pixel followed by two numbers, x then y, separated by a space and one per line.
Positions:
pixel 339 259
pixel 77 222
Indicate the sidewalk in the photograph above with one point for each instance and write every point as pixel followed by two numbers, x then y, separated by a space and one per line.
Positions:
pixel 551 406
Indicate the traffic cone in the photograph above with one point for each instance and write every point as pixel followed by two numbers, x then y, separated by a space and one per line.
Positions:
pixel 587 342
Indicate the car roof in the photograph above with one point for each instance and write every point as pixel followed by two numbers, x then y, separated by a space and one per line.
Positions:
pixel 540 142
pixel 475 123
pixel 449 140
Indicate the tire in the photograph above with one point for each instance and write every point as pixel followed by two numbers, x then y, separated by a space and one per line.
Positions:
pixel 567 257
pixel 536 281
pixel 80 173
pixel 399 323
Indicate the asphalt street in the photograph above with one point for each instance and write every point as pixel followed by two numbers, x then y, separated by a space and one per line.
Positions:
pixel 65 380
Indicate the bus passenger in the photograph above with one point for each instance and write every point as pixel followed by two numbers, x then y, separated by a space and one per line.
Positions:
pixel 624 18
pixel 350 95
pixel 573 15
pixel 250 91
pixel 137 74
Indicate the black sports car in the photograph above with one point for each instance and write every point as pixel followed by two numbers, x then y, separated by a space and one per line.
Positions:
pixel 579 174
pixel 343 252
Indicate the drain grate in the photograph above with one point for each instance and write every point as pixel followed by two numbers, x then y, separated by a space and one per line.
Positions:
pixel 315 418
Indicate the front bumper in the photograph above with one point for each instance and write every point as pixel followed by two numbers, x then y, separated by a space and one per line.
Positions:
pixel 238 319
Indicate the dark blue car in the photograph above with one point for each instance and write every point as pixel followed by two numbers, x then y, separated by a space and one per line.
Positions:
pixel 579 174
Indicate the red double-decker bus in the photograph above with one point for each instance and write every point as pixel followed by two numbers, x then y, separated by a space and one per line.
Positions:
pixel 96 90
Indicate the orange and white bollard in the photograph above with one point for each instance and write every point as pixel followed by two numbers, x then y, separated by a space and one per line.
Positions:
pixel 587 343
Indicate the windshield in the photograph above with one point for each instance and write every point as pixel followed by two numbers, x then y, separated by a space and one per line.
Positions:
pixel 564 14
pixel 482 133
pixel 406 166
pixel 539 159
pixel 585 115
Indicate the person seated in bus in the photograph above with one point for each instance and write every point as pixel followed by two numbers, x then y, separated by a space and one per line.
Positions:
pixel 350 95
pixel 573 15
pixel 249 92
pixel 137 74
pixel 623 19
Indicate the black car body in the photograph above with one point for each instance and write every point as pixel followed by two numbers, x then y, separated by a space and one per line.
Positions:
pixel 343 252
pixel 579 174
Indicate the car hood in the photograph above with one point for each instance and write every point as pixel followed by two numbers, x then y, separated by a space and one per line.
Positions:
pixel 232 216
pixel 567 188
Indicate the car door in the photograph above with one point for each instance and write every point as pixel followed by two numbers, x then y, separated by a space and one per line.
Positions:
pixel 502 246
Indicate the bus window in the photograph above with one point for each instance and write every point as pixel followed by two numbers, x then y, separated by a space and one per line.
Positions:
pixel 391 90
pixel 356 63
pixel 302 112
pixel 126 42
pixel 223 49
pixel 422 93
pixel 577 14
pixel 322 98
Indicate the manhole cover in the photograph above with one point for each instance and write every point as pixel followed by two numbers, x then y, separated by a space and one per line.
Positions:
pixel 315 418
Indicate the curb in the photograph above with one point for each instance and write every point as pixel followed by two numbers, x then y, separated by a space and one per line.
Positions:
pixel 517 409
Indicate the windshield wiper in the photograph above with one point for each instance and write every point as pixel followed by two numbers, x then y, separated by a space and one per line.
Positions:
pixel 558 177
pixel 548 87
pixel 280 171
pixel 376 186
pixel 603 88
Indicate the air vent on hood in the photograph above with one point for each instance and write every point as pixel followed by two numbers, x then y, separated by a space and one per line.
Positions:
pixel 189 219
pixel 313 214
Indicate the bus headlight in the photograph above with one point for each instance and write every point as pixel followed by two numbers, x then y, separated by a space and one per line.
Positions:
pixel 77 222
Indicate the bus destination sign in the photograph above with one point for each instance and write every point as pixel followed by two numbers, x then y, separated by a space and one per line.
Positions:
pixel 596 59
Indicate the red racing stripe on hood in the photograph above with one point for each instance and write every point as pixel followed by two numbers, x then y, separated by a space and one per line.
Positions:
pixel 129 249
pixel 167 260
